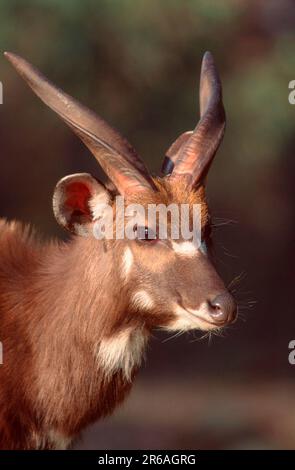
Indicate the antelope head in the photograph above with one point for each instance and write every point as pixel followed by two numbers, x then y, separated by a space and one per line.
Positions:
pixel 170 283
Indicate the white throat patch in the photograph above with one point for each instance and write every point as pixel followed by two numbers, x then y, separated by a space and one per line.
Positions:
pixel 123 351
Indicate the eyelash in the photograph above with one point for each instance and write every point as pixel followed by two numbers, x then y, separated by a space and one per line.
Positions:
pixel 145 235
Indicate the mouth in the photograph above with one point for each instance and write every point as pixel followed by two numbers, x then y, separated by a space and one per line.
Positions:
pixel 195 320
pixel 201 319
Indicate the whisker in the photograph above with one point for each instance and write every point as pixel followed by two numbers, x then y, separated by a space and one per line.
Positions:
pixel 175 335
pixel 236 280
pixel 221 222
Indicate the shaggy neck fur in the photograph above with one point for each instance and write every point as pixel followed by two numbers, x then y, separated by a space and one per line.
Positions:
pixel 78 348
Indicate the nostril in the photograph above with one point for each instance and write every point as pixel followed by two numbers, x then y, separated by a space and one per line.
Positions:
pixel 223 308
pixel 216 309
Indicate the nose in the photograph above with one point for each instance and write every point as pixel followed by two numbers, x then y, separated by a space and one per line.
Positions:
pixel 223 309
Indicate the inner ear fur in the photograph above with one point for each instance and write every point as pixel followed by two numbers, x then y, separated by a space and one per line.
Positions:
pixel 74 199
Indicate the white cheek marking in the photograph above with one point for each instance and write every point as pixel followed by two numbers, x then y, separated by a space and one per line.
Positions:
pixel 184 248
pixel 127 262
pixel 97 204
pixel 123 351
pixel 142 299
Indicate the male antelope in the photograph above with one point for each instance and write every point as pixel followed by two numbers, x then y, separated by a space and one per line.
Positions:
pixel 75 317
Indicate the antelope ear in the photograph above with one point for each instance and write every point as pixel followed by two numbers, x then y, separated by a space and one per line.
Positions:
pixel 75 201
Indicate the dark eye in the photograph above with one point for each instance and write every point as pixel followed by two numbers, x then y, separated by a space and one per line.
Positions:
pixel 145 234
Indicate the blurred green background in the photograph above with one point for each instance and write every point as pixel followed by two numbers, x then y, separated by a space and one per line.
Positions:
pixel 137 64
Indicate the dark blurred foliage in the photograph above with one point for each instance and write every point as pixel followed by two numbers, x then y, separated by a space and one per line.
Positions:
pixel 137 64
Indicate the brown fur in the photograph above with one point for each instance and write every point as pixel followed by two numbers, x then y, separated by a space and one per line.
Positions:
pixel 57 302
pixel 75 317
pixel 51 317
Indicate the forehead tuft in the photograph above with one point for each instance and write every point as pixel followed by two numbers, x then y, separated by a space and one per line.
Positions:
pixel 177 193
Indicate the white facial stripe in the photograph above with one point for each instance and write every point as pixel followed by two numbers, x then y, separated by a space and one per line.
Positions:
pixel 184 248
pixel 123 351
pixel 127 262
pixel 142 299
